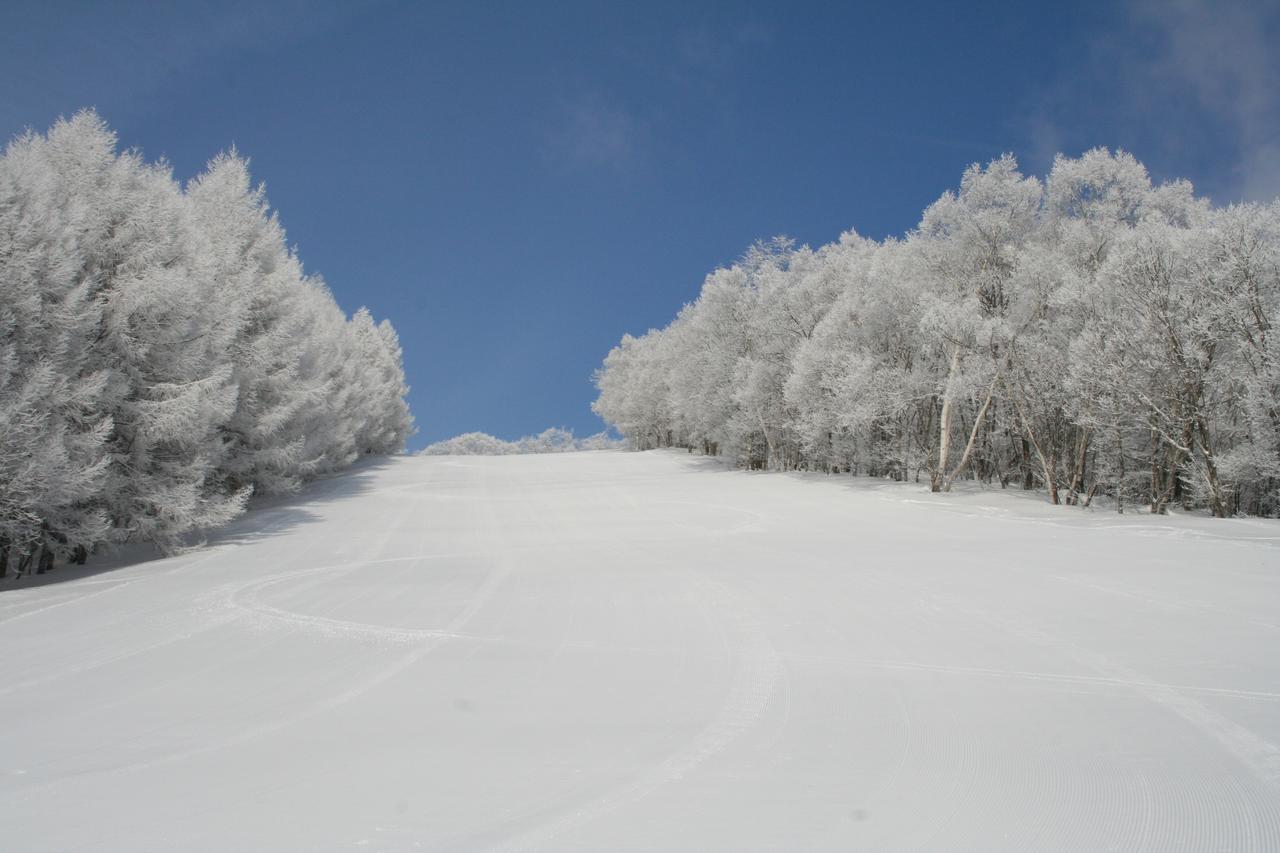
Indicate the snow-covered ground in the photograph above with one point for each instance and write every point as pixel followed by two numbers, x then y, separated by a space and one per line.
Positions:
pixel 613 651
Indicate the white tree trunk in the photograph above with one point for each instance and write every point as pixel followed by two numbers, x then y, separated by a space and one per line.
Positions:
pixel 944 427
pixel 973 437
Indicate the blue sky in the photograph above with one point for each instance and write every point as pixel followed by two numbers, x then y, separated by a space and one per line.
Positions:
pixel 515 185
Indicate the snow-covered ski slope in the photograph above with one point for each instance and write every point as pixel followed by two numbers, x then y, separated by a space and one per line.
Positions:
pixel 624 651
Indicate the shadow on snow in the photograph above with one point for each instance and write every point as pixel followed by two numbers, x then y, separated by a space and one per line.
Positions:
pixel 264 517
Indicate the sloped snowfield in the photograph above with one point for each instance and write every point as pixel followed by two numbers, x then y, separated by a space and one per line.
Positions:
pixel 612 651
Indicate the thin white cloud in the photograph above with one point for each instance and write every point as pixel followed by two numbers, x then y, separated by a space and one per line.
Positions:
pixel 123 54
pixel 1226 53
pixel 702 58
pixel 1193 84
pixel 597 132
pixel 595 129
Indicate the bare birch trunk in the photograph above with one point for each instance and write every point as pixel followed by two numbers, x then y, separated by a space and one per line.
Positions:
pixel 944 426
pixel 1120 484
pixel 1050 480
pixel 1077 471
pixel 772 460
pixel 973 437
pixel 1211 471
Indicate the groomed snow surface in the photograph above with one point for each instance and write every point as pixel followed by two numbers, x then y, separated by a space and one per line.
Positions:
pixel 645 651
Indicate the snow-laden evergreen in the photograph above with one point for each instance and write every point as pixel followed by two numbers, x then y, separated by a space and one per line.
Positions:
pixel 554 440
pixel 163 356
pixel 1089 334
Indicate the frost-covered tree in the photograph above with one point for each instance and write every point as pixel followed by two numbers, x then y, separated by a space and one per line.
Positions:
pixel 970 245
pixel 1091 335
pixel 162 355
pixel 53 424
pixel 162 340
pixel 262 289
pixel 554 440
pixel 633 390
pixel 378 352
pixel 1246 250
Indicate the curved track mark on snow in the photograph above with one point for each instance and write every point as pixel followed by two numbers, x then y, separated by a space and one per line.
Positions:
pixel 112 585
pixel 1065 678
pixel 245 600
pixel 754 682
pixel 494 579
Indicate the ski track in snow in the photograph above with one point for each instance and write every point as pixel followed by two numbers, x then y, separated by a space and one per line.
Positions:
pixel 1250 827
pixel 635 651
pixel 754 681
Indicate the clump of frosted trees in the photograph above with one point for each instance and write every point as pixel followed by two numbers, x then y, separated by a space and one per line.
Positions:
pixel 1090 335
pixel 162 354
pixel 554 440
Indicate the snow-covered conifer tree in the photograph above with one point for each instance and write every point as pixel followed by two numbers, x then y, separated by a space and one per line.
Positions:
pixel 162 354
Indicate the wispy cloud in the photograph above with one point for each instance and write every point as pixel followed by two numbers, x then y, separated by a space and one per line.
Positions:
pixel 594 131
pixel 1226 54
pixel 1194 83
pixel 691 71
pixel 703 58
pixel 150 46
